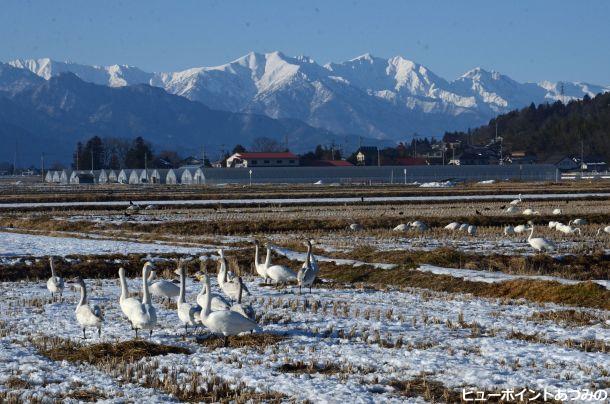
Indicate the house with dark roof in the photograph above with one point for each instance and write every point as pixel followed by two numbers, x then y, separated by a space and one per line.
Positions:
pixel 367 156
pixel 329 163
pixel 263 159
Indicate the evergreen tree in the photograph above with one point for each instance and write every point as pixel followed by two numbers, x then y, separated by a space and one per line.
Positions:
pixel 77 156
pixel 139 154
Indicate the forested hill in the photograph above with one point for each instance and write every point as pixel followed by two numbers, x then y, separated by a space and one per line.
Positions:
pixel 554 128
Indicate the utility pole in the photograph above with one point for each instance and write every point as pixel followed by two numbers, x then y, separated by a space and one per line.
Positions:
pixel 378 157
pixel 15 160
pixel 286 142
pixel 77 158
pixel 42 166
pixel 203 155
pixel 92 160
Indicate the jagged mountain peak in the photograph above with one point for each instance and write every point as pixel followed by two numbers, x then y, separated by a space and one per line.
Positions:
pixel 370 95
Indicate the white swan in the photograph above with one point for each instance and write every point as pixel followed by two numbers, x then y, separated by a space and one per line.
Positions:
pixel 472 230
pixel 452 226
pixel 162 288
pixel 142 315
pixel 280 274
pixel 128 304
pixel 516 201
pixel 55 284
pixel 512 209
pixel 520 228
pixel 261 268
pixel 218 302
pixel 401 227
pixel 356 227
pixel 530 212
pixel 578 222
pixel 418 225
pixel 509 230
pixel 464 227
pixel 230 287
pixel 189 314
pixel 133 207
pixel 243 308
pixel 225 322
pixel 557 211
pixel 307 274
pixel 553 224
pixel 540 243
pixel 603 229
pixel 567 229
pixel 86 315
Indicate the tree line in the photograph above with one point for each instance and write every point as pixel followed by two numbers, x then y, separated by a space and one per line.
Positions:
pixel 548 129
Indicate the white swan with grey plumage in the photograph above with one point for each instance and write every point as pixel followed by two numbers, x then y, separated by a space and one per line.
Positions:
pixel 189 314
pixel 242 308
pixel 261 267
pixel 55 284
pixel 141 314
pixel 540 243
pixel 280 274
pixel 224 322
pixel 229 286
pixel 86 315
pixel 307 274
pixel 162 288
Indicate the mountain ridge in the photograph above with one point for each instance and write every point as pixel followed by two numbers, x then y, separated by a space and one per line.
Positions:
pixel 383 98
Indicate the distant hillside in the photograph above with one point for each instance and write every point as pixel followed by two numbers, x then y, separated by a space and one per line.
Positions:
pixel 50 116
pixel 554 128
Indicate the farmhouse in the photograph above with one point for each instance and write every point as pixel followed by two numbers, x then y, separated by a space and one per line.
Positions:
pixel 284 159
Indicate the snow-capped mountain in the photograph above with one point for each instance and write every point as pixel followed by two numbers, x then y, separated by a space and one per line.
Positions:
pixel 382 98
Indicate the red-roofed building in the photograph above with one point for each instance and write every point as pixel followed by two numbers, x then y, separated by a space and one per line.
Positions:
pixel 329 163
pixel 266 159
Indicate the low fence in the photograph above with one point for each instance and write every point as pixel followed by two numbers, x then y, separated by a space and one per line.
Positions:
pixel 384 174
pixel 346 175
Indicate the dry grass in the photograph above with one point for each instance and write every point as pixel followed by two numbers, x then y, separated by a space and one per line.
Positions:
pixel 258 341
pixel 583 345
pixel 434 391
pixel 59 349
pixel 569 317
pixel 584 294
pixel 309 368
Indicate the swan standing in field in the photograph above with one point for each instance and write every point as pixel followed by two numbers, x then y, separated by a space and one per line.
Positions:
pixel 280 274
pixel 356 227
pixel 307 274
pixel 162 288
pixel 418 225
pixel 540 243
pixel 86 315
pixel 261 267
pixel 567 229
pixel 464 227
pixel 516 201
pixel 401 227
pixel 530 212
pixel 189 314
pixel 230 287
pixel 224 322
pixel 553 224
pixel 55 284
pixel 603 229
pixel 218 302
pixel 520 228
pixel 133 207
pixel 452 226
pixel 141 315
pixel 557 211
pixel 512 209
pixel 472 230
pixel 509 230
pixel 244 309
pixel 578 222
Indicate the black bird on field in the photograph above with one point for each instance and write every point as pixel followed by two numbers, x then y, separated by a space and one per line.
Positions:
pixel 400 213
pixel 477 212
pixel 486 208
pixel 502 207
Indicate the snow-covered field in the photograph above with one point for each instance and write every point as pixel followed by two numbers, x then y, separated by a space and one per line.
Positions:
pixel 456 340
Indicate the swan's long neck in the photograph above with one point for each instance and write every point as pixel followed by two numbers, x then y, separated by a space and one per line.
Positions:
pixel 531 233
pixel 124 290
pixel 256 255
pixel 268 257
pixel 225 272
pixel 152 276
pixel 207 303
pixel 145 293
pixel 52 267
pixel 240 291
pixel 83 295
pixel 308 259
pixel 182 297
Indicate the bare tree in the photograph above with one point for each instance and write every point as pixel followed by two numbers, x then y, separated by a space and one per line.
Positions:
pixel 265 144
pixel 115 151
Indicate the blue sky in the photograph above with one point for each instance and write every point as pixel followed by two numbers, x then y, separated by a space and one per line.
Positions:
pixel 528 40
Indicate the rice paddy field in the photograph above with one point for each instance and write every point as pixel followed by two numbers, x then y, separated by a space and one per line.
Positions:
pixel 397 313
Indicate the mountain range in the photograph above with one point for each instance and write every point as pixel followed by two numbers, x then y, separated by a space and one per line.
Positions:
pixel 370 96
pixel 50 116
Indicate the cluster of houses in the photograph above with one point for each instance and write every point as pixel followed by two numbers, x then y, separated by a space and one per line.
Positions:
pixel 184 175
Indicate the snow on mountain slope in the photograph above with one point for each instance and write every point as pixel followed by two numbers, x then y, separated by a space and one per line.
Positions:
pixel 377 97
pixel 113 76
